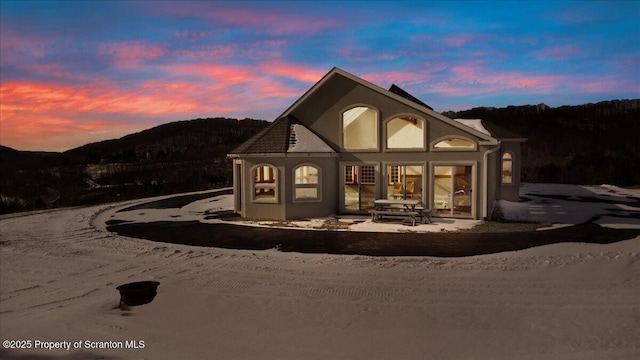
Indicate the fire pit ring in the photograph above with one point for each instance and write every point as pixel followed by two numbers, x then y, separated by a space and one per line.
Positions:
pixel 138 293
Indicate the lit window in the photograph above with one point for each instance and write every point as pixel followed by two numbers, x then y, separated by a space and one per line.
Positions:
pixel 360 129
pixel 455 144
pixel 367 174
pixel 405 133
pixel 306 183
pixel 507 168
pixel 349 177
pixel 265 184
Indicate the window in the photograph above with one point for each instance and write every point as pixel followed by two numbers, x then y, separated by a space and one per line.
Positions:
pixel 349 175
pixel 507 168
pixel 265 184
pixel 367 174
pixel 454 143
pixel 394 174
pixel 360 129
pixel 405 182
pixel 405 132
pixel 306 183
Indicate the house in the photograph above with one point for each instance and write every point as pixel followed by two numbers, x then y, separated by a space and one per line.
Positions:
pixel 347 142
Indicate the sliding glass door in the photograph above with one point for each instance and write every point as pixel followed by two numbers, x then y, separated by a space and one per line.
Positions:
pixel 452 190
pixel 359 185
pixel 404 182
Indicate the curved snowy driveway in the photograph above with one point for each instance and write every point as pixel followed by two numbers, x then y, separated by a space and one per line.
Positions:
pixel 58 275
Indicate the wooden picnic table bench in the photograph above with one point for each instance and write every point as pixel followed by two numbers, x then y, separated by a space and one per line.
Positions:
pixel 407 209
pixel 379 214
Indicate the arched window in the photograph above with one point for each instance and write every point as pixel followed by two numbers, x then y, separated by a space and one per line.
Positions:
pixel 360 128
pixel 306 183
pixel 454 143
pixel 507 168
pixel 265 183
pixel 405 132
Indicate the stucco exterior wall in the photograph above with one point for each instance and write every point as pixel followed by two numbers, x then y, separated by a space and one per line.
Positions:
pixel 286 207
pixel 510 192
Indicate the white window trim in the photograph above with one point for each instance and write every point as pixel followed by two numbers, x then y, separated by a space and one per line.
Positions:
pixel 377 130
pixel 317 186
pixel 386 133
pixel 275 199
pixel 448 137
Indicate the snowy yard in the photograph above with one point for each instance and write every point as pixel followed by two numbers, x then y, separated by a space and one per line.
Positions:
pixel 552 204
pixel 59 271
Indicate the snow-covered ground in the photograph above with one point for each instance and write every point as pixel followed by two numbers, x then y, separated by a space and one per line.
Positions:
pixel 59 270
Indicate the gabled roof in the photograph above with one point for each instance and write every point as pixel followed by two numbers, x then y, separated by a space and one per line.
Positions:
pixel 285 135
pixel 420 107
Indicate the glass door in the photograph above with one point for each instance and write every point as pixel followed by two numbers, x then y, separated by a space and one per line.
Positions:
pixel 452 190
pixel 359 187
pixel 404 182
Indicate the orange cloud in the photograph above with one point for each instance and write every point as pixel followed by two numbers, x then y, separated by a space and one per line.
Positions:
pixel 34 112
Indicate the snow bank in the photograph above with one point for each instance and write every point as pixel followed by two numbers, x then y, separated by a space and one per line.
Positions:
pixel 607 205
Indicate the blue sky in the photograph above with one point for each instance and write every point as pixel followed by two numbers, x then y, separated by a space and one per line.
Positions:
pixel 75 72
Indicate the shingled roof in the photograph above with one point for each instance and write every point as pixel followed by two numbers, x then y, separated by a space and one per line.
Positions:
pixel 501 133
pixel 281 137
pixel 399 91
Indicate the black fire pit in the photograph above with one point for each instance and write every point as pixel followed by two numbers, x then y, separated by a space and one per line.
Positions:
pixel 138 293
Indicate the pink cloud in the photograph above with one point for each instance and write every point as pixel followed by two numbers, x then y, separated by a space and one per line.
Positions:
pixel 17 49
pixel 460 40
pixel 193 35
pixel 217 52
pixel 274 22
pixel 400 78
pixel 271 20
pixel 417 74
pixel 604 85
pixel 558 53
pixel 38 110
pixel 130 54
pixel 300 73
pixel 473 79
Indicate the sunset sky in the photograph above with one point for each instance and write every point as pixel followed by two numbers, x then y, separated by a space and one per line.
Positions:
pixel 76 72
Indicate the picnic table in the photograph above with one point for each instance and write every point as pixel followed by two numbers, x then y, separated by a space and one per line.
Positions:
pixel 399 208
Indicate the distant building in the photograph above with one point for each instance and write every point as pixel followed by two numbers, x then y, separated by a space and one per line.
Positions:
pixel 347 142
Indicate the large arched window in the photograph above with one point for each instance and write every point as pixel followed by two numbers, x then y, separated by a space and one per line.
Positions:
pixel 265 183
pixel 306 183
pixel 507 168
pixel 454 143
pixel 405 132
pixel 360 128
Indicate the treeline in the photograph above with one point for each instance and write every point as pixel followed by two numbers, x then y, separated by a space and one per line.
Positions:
pixel 177 157
pixel 584 144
